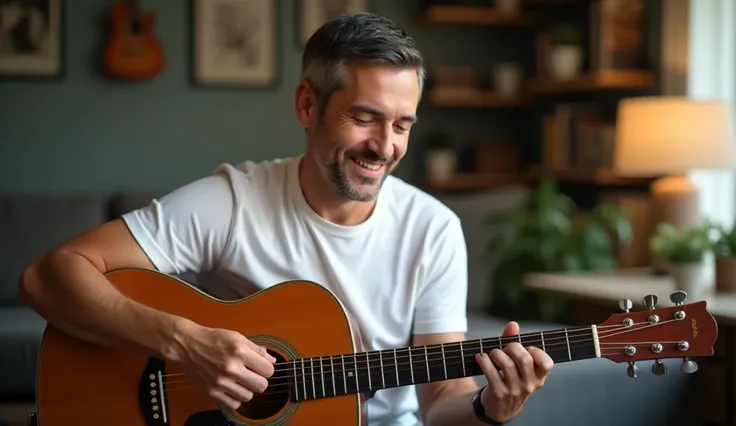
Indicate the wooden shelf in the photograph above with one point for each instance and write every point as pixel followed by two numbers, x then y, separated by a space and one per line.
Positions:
pixel 470 15
pixel 594 176
pixel 553 2
pixel 473 181
pixel 479 181
pixel 479 99
pixel 601 80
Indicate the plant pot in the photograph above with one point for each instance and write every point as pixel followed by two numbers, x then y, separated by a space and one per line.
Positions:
pixel 440 164
pixel 565 62
pixel 690 278
pixel 726 274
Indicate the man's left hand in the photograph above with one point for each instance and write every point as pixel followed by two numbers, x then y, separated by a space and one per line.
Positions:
pixel 523 371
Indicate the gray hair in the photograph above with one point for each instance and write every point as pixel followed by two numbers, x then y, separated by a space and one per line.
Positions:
pixel 362 37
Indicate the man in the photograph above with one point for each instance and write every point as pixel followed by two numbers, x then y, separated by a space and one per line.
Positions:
pixel 394 256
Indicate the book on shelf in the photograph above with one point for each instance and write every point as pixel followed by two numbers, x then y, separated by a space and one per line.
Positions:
pixel 576 136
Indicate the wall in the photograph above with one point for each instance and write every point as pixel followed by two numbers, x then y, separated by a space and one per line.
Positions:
pixel 86 133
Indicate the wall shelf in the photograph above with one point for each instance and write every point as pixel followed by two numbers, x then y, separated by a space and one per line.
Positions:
pixel 470 15
pixel 599 80
pixel 478 181
pixel 477 99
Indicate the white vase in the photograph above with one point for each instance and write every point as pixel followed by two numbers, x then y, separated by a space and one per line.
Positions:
pixel 440 164
pixel 690 278
pixel 565 62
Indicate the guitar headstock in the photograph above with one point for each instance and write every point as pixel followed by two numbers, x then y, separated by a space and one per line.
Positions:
pixel 679 331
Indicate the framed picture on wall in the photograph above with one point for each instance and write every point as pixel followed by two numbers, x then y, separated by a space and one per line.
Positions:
pixel 314 13
pixel 31 36
pixel 235 43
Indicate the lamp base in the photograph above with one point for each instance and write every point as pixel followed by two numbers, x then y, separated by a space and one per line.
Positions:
pixel 675 200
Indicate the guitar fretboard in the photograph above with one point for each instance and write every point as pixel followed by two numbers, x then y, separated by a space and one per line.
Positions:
pixel 334 375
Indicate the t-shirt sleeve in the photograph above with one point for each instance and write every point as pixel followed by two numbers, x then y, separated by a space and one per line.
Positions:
pixel 188 229
pixel 442 299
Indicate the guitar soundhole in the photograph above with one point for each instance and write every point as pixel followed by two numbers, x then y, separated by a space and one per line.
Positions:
pixel 271 402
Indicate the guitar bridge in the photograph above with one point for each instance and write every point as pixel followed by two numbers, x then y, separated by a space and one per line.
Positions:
pixel 152 394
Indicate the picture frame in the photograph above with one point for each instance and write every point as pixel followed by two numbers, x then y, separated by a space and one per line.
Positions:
pixel 312 14
pixel 235 43
pixel 32 39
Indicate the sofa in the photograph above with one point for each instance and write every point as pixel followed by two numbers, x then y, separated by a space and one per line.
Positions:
pixel 593 392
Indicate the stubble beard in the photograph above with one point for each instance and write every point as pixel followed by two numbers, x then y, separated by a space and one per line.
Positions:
pixel 340 177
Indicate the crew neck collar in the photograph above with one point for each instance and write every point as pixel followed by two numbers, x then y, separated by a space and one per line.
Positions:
pixel 307 210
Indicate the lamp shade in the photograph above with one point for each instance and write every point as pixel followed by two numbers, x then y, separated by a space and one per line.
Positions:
pixel 666 135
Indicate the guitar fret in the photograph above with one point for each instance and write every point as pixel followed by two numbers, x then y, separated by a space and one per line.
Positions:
pixel 567 339
pixel 444 360
pixel 541 335
pixel 411 367
pixel 383 376
pixel 426 360
pixel 296 382
pixel 304 380
pixel 355 365
pixel 368 371
pixel 311 367
pixel 462 358
pixel 500 343
pixel 322 377
pixel 396 364
pixel 344 373
pixel 334 387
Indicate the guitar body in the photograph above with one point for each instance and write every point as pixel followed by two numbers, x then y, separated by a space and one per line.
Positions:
pixel 133 52
pixel 81 383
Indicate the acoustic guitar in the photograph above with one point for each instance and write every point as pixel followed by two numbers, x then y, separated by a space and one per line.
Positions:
pixel 322 376
pixel 133 52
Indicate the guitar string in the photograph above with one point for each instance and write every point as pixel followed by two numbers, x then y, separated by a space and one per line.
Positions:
pixel 277 382
pixel 289 366
pixel 276 393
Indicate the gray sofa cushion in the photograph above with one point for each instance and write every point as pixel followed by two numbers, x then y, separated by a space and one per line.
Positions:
pixel 33 224
pixel 21 330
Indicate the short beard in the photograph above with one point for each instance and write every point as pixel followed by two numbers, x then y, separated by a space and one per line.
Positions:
pixel 341 180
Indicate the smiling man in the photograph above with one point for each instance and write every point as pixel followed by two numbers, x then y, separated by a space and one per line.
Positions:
pixel 393 255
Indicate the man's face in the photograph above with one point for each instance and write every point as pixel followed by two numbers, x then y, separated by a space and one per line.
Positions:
pixel 364 130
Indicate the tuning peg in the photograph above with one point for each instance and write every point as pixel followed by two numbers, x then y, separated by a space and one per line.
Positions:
pixel 658 368
pixel 650 301
pixel 678 297
pixel 688 366
pixel 625 305
pixel 632 370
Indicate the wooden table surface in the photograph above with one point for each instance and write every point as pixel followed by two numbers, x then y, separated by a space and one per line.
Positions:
pixel 607 288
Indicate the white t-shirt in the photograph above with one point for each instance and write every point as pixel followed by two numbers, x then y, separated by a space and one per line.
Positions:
pixel 402 271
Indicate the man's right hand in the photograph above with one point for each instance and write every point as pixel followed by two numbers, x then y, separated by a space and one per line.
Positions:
pixel 226 365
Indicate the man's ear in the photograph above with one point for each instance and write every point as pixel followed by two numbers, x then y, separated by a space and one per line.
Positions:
pixel 305 104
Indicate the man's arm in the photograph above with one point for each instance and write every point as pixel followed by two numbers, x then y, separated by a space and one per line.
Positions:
pixel 68 288
pixel 446 402
pixel 182 231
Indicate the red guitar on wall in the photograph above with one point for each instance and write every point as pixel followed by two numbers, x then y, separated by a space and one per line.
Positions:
pixel 133 52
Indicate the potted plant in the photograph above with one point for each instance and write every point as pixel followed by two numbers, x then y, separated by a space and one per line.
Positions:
pixel 684 251
pixel 543 236
pixel 566 53
pixel 440 157
pixel 725 258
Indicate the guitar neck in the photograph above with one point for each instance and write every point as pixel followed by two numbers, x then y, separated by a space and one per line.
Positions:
pixel 367 372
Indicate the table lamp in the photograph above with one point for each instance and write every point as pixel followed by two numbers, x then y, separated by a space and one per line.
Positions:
pixel 666 137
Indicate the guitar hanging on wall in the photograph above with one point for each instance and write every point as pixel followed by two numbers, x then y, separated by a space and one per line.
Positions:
pixel 133 52
pixel 322 376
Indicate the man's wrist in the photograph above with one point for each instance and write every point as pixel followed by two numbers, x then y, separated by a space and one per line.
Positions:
pixel 479 409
